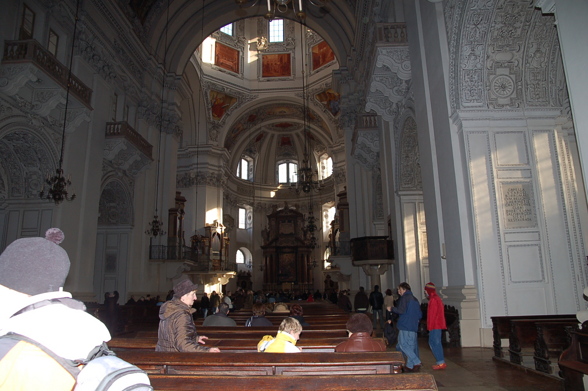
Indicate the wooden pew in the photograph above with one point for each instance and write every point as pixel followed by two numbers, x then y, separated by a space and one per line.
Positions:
pixel 523 335
pixel 265 364
pixel 406 382
pixel 229 344
pixel 573 362
pixel 501 327
pixel 241 332
pixel 552 339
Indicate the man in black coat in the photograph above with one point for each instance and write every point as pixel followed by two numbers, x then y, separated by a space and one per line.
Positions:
pixel 377 301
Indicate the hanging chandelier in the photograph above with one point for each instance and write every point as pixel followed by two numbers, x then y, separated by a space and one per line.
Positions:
pixel 306 175
pixel 277 7
pixel 58 183
pixel 311 227
pixel 156 226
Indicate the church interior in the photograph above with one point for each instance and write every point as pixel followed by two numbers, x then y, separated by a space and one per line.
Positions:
pixel 303 145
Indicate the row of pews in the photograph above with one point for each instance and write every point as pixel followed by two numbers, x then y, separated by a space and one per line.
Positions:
pixel 239 365
pixel 549 344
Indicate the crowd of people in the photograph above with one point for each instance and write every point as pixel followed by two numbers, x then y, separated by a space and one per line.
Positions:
pixel 397 313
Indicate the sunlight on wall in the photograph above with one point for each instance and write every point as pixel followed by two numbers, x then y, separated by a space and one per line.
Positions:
pixel 211 215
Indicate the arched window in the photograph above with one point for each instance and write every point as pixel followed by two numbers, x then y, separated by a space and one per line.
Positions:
pixel 240 257
pixel 287 172
pixel 245 168
pixel 325 166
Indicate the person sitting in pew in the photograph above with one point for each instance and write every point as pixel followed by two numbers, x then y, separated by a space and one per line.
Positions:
pixel 285 341
pixel 177 332
pixel 221 318
pixel 359 327
pixel 297 313
pixel 258 319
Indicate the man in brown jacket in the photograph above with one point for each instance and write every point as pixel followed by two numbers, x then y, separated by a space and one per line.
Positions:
pixel 177 332
pixel 359 327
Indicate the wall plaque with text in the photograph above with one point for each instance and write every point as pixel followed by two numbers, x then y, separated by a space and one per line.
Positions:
pixel 519 206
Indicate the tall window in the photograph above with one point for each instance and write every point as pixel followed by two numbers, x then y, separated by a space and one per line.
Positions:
pixel 28 23
pixel 276 30
pixel 240 257
pixel 287 172
pixel 228 29
pixel 53 42
pixel 243 169
pixel 325 166
pixel 242 218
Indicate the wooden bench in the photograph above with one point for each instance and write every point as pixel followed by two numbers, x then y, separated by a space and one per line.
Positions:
pixel 241 332
pixel 265 364
pixel 573 362
pixel 406 382
pixel 523 335
pixel 229 344
pixel 552 339
pixel 501 327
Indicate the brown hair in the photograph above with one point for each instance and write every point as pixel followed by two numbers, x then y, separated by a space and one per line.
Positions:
pixel 359 323
pixel 296 310
pixel 258 309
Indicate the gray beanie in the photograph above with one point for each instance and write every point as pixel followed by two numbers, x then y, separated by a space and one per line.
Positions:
pixel 35 265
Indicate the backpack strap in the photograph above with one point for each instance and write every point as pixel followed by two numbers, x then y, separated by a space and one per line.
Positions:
pixel 70 366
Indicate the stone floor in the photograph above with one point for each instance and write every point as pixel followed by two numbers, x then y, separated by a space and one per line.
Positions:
pixel 473 369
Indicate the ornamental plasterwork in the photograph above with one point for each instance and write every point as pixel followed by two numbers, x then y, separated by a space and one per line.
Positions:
pixel 26 162
pixel 504 62
pixel 94 54
pixel 340 175
pixel 367 147
pixel 474 36
pixel 409 158
pixel 123 155
pixel 115 206
pixel 189 179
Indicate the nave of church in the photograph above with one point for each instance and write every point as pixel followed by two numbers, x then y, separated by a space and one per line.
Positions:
pixel 303 145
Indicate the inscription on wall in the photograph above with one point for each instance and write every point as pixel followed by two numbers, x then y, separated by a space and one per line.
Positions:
pixel 519 208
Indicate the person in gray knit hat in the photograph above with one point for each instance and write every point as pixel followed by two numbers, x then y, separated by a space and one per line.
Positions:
pixel 37 315
pixel 177 332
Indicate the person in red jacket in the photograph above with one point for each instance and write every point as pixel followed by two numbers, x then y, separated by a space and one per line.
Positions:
pixel 435 324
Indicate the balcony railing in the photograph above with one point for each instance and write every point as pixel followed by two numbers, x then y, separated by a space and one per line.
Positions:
pixel 392 33
pixel 31 51
pixel 123 130
pixel 198 262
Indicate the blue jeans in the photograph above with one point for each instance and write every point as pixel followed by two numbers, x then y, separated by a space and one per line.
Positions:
pixel 407 344
pixel 436 346
pixel 375 315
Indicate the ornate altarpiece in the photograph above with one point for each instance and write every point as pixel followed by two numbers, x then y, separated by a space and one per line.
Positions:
pixel 286 251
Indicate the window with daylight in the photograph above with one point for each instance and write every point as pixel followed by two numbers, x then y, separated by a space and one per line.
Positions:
pixel 242 218
pixel 325 166
pixel 245 168
pixel 240 257
pixel 53 42
pixel 228 29
pixel 276 30
pixel 287 172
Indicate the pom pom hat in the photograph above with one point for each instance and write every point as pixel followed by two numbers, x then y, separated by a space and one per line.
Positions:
pixel 35 265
